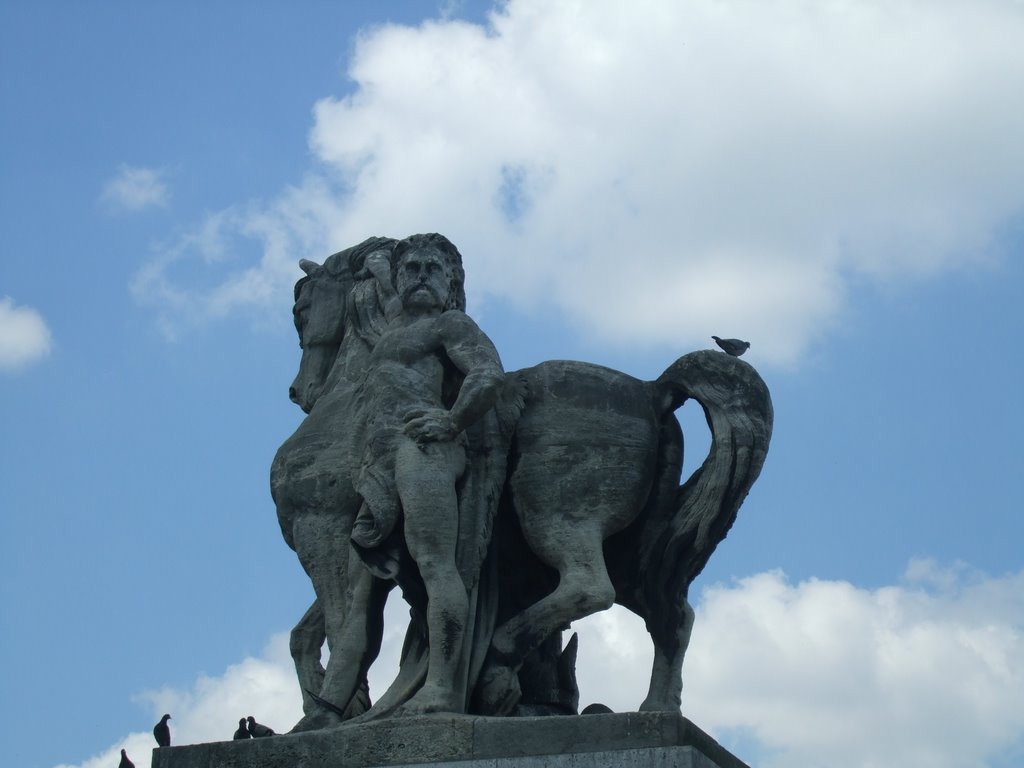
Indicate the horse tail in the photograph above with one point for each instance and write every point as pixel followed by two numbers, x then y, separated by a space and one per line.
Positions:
pixel 684 524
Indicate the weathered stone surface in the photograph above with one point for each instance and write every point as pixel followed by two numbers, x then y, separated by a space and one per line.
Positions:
pixel 505 505
pixel 641 739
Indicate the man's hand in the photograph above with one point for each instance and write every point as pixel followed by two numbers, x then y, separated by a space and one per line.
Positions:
pixel 379 265
pixel 433 425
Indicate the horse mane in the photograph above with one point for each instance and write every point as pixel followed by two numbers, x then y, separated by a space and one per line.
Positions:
pixel 365 316
pixel 351 260
pixel 364 306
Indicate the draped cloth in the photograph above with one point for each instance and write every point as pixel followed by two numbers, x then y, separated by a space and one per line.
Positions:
pixel 486 444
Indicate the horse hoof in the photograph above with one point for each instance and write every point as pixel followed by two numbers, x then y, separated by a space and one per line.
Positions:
pixel 316 721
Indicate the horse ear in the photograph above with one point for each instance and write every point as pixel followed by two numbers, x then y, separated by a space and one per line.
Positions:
pixel 309 267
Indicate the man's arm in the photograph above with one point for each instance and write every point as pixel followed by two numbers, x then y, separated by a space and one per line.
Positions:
pixel 378 264
pixel 474 355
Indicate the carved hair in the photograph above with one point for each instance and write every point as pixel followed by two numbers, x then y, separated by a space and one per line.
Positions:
pixel 440 243
pixel 343 267
pixel 365 315
pixel 343 264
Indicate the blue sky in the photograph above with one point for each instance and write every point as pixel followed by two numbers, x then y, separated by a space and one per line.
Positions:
pixel 841 184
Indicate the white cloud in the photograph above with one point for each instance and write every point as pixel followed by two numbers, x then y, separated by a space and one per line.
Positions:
pixel 293 227
pixel 135 188
pixel 24 336
pixel 717 166
pixel 138 747
pixel 928 673
pixel 263 687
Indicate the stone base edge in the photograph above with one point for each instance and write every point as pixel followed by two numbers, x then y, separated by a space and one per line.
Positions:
pixel 634 739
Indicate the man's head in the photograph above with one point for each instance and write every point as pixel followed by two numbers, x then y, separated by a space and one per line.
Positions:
pixel 427 270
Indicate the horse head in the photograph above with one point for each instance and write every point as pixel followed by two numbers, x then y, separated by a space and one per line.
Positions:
pixel 319 314
pixel 322 314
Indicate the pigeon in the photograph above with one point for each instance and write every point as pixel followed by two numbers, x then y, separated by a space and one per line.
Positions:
pixel 258 731
pixel 733 347
pixel 242 733
pixel 125 762
pixel 162 732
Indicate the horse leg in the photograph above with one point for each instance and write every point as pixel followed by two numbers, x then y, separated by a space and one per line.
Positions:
pixel 322 544
pixel 584 587
pixel 665 692
pixel 358 641
pixel 306 644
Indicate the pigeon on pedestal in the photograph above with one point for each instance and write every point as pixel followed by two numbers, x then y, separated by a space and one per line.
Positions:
pixel 162 732
pixel 242 732
pixel 258 731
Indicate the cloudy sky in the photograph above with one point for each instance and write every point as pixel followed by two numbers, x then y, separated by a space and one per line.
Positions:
pixel 842 183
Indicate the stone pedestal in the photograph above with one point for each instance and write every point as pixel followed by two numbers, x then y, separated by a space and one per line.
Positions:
pixel 633 739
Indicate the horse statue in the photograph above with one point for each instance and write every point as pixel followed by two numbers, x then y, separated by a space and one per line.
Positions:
pixel 597 458
pixel 592 511
pixel 311 484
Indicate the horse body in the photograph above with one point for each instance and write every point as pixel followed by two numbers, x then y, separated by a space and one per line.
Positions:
pixel 583 467
pixel 596 465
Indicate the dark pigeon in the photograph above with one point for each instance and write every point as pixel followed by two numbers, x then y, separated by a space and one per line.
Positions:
pixel 733 347
pixel 258 731
pixel 162 732
pixel 597 709
pixel 125 762
pixel 242 732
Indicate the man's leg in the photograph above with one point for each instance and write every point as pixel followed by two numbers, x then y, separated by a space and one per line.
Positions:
pixel 426 484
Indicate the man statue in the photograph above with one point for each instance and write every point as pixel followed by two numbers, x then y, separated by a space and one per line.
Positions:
pixel 432 374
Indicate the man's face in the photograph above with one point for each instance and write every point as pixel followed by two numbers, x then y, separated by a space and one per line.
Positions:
pixel 423 279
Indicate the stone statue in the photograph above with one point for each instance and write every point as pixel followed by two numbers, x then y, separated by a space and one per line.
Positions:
pixel 506 506
pixel 431 376
pixel 385 376
pixel 312 482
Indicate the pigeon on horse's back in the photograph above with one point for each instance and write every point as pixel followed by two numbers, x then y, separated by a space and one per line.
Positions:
pixel 734 347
